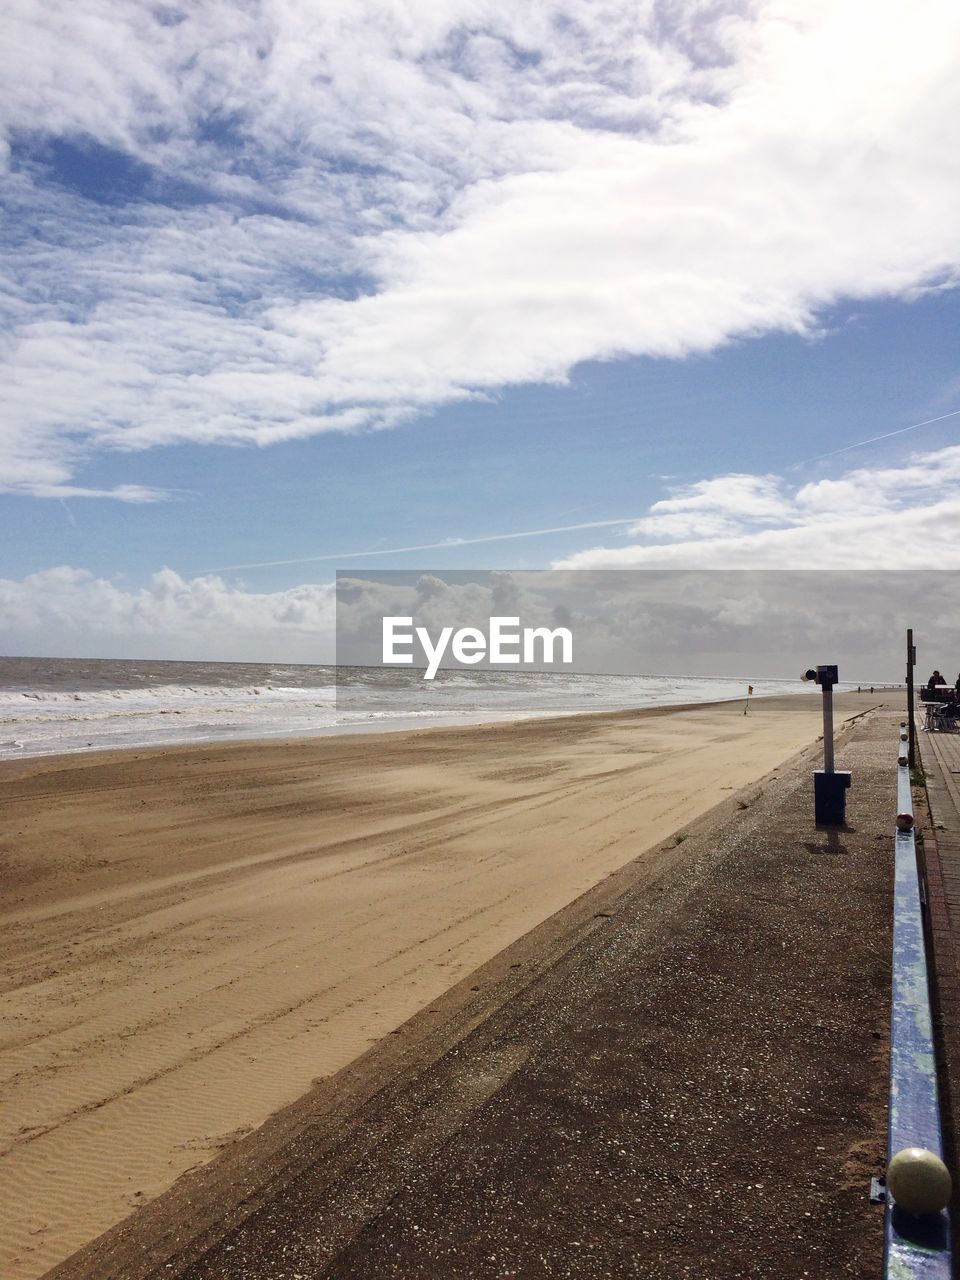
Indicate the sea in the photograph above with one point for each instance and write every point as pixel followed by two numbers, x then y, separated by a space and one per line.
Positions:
pixel 54 705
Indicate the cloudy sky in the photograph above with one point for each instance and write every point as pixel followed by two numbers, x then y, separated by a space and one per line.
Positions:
pixel 293 287
pixel 746 623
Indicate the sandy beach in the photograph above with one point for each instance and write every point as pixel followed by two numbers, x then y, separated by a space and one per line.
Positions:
pixel 193 937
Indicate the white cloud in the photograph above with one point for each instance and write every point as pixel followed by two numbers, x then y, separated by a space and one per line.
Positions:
pixel 70 612
pixel 714 507
pixel 885 518
pixel 350 213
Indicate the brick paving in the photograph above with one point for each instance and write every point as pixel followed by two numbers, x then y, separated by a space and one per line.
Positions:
pixel 940 757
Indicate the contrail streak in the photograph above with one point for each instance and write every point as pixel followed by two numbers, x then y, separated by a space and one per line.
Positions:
pixel 428 546
pixel 886 436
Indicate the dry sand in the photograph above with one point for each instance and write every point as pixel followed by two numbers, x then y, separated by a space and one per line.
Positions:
pixel 192 937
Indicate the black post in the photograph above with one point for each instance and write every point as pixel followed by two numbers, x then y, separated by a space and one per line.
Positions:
pixel 911 659
pixel 829 784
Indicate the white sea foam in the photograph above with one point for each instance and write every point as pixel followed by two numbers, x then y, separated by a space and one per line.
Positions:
pixel 50 718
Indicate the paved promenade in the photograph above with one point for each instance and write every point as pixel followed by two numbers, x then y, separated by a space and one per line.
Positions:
pixel 940 758
pixel 677 1077
pixel 940 754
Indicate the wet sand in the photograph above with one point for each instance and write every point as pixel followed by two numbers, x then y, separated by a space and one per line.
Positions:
pixel 192 938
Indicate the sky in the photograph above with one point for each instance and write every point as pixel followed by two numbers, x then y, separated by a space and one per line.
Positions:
pixel 292 288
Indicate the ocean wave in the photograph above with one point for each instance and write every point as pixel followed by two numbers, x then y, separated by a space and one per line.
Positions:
pixel 49 720
pixel 159 693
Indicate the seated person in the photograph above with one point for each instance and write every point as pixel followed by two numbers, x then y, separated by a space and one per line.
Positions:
pixel 937 679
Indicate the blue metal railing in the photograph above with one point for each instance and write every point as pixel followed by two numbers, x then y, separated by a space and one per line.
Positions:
pixel 914 1247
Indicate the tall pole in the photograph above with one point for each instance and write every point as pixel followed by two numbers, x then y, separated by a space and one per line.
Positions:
pixel 827 729
pixel 911 659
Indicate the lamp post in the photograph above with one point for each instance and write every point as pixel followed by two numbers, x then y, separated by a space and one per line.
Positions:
pixel 829 784
pixel 911 663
